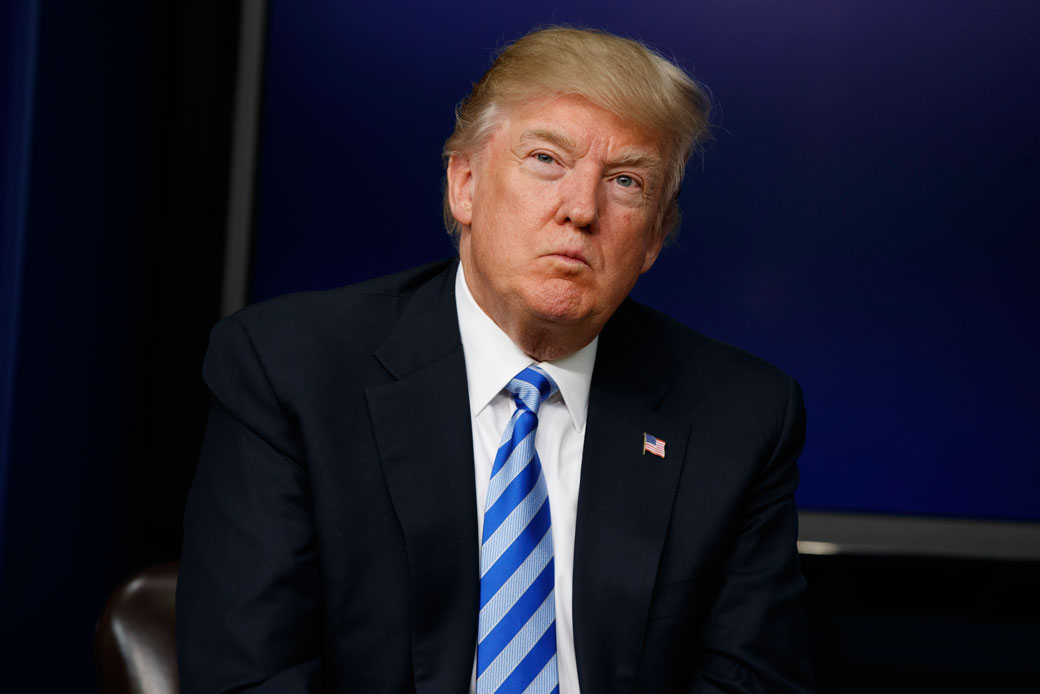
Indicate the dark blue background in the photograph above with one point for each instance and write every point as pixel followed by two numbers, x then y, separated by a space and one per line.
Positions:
pixel 866 218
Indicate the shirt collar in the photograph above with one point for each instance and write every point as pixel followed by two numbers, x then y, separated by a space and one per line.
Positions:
pixel 492 359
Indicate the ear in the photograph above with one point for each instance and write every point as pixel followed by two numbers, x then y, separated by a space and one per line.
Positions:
pixel 653 249
pixel 460 188
pixel 668 219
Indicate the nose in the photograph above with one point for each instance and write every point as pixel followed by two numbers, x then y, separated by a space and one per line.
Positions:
pixel 579 199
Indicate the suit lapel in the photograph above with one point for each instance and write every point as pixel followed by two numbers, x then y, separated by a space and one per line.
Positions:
pixel 422 428
pixel 624 506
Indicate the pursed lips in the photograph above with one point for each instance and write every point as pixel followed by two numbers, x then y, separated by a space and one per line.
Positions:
pixel 569 257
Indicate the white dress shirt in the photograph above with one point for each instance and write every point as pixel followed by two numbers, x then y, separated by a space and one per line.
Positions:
pixel 492 360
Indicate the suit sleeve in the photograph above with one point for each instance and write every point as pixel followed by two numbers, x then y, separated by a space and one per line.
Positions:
pixel 248 594
pixel 756 638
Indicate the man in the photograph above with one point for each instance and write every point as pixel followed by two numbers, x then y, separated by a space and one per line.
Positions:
pixel 499 474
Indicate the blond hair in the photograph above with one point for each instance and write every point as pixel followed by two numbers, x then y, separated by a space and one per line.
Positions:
pixel 625 77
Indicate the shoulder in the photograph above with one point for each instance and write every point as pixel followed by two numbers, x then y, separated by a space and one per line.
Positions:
pixel 357 315
pixel 359 306
pixel 698 370
pixel 305 337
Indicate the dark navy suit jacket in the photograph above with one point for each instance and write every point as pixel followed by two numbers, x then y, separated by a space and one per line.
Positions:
pixel 331 532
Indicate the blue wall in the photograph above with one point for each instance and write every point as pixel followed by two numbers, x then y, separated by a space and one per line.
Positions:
pixel 866 218
pixel 17 75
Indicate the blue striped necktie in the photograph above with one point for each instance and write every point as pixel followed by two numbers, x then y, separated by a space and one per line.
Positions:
pixel 516 641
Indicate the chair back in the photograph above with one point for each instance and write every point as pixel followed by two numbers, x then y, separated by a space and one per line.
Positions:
pixel 135 645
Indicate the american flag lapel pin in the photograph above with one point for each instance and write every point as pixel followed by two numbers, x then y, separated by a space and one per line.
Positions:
pixel 653 444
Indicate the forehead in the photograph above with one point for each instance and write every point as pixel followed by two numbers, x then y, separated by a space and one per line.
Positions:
pixel 573 122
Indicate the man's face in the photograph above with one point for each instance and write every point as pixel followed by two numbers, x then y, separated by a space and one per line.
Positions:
pixel 559 212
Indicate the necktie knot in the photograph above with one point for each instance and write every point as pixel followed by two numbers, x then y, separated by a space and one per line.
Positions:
pixel 531 387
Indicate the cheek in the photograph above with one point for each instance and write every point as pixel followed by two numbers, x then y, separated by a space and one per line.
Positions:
pixel 626 257
pixel 525 199
pixel 632 235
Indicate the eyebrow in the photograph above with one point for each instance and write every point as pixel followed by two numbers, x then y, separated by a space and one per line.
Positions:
pixel 636 158
pixel 551 136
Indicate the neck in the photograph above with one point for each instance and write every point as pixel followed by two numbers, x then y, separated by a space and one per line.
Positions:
pixel 546 343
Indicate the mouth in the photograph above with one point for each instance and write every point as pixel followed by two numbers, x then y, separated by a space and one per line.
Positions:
pixel 569 258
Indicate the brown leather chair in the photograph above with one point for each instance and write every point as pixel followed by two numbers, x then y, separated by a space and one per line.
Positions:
pixel 134 647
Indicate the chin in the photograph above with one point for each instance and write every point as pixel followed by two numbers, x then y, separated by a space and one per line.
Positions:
pixel 560 301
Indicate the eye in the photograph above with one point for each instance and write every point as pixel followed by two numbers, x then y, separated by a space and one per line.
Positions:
pixel 627 181
pixel 544 158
